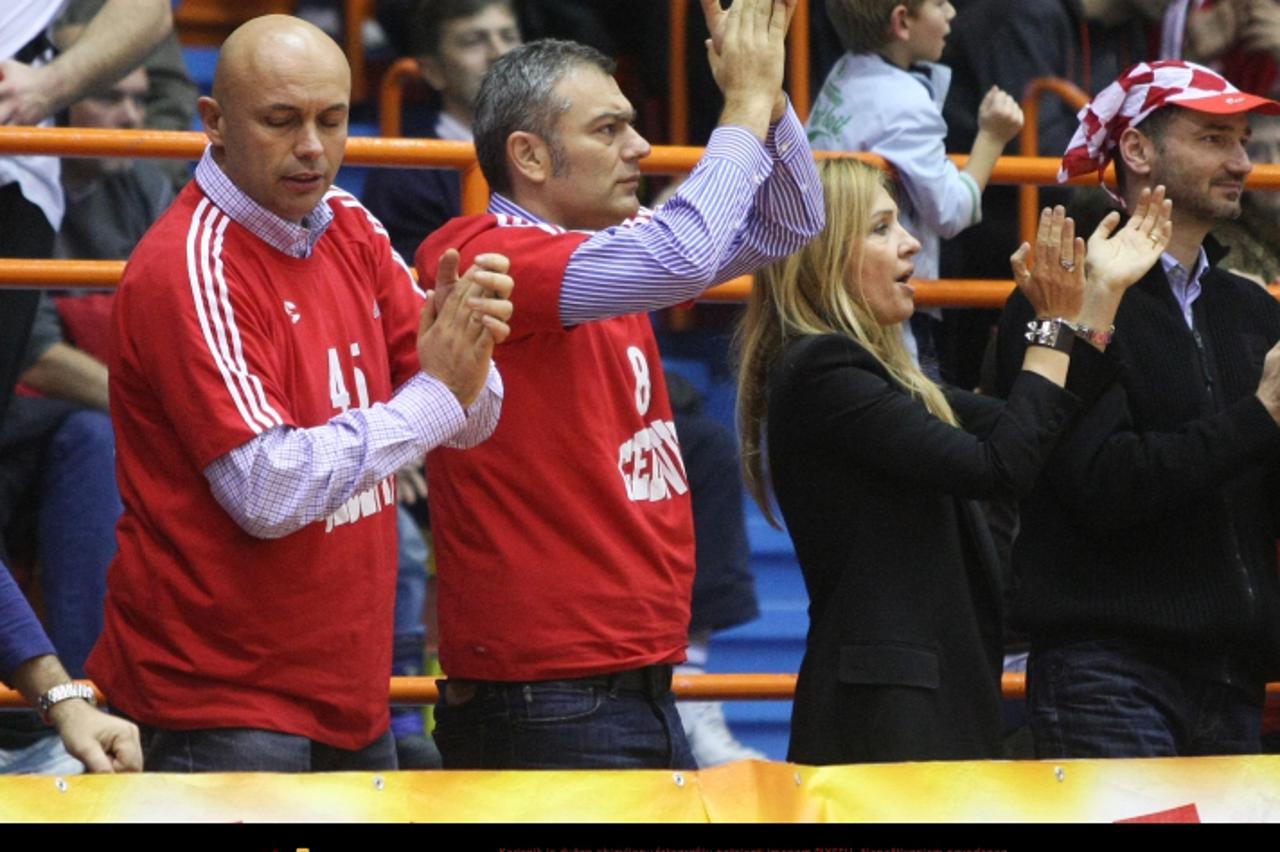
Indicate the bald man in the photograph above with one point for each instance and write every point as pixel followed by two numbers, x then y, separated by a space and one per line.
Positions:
pixel 272 364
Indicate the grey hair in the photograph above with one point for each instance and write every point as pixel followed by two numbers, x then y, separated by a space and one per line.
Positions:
pixel 517 94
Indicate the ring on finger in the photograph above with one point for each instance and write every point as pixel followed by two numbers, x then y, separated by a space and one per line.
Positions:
pixel 1068 265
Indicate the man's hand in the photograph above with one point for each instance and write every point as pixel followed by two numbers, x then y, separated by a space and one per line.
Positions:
pixel 103 743
pixel 999 115
pixel 462 320
pixel 24 93
pixel 1268 392
pixel 1117 259
pixel 747 54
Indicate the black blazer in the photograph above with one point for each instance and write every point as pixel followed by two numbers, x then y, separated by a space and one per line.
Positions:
pixel 903 657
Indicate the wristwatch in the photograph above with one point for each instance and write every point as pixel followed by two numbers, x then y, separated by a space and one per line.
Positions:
pixel 64 692
pixel 1055 333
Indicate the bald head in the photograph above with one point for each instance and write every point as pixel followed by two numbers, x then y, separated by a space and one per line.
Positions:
pixel 262 49
pixel 277 120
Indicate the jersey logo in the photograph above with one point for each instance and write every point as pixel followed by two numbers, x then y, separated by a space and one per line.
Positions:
pixel 292 310
pixel 649 461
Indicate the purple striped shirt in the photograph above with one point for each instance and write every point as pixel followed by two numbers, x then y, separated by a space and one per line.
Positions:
pixel 280 481
pixel 744 205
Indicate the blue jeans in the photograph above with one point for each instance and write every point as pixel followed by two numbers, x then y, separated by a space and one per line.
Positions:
pixel 559 724
pixel 254 750
pixel 1112 699
pixel 410 632
pixel 79 507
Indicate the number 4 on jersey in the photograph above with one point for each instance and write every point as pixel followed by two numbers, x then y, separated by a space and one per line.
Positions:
pixel 338 393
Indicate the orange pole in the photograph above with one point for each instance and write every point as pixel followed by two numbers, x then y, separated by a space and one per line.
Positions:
pixel 678 70
pixel 705 687
pixel 391 94
pixel 438 153
pixel 1029 146
pixel 21 273
pixel 798 60
pixel 945 293
pixel 475 191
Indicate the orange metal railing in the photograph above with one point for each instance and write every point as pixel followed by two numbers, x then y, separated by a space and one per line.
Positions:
pixel 667 159
pixel 705 687
pixel 1029 194
pixel 678 66
pixel 391 94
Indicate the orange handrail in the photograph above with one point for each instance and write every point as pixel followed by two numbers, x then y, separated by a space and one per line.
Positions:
pixel 92 142
pixel 105 274
pixel 1029 146
pixel 798 60
pixel 354 14
pixel 688 687
pixel 678 66
pixel 391 95
pixel 439 153
pixel 677 71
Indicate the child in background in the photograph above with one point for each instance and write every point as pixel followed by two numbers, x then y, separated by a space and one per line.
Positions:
pixel 885 95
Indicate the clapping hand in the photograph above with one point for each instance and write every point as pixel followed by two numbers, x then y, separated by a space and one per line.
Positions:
pixel 1116 259
pixel 1056 280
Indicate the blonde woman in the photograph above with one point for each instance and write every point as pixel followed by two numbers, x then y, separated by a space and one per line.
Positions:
pixel 877 470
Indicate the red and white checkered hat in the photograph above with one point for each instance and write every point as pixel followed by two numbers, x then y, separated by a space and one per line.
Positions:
pixel 1138 92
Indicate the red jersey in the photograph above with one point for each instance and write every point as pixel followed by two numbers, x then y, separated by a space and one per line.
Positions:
pixel 564 543
pixel 217 336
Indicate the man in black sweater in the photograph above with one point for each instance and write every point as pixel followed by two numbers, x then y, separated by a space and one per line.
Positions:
pixel 1147 555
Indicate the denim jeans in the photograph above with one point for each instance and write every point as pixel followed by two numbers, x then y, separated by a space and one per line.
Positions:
pixel 79 507
pixel 560 724
pixel 254 750
pixel 410 632
pixel 1112 699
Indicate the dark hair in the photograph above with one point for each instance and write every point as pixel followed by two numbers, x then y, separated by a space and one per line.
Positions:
pixel 431 16
pixel 1153 127
pixel 518 94
pixel 863 25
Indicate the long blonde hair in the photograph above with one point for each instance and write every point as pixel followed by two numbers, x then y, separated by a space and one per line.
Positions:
pixel 808 293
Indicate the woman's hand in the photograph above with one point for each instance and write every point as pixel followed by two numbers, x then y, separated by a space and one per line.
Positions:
pixel 1117 259
pixel 1055 282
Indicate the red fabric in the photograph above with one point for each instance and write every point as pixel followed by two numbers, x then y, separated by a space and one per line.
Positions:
pixel 217 336
pixel 564 543
pixel 86 321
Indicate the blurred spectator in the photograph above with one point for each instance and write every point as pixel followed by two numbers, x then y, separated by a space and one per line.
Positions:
pixel 1253 239
pixel 170 94
pixel 886 95
pixel 1240 38
pixel 1009 43
pixel 59 458
pixel 455 41
pixel 33 86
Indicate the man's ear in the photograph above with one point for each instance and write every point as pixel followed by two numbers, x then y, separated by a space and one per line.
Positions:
pixel 529 156
pixel 211 117
pixel 1137 150
pixel 900 22
pixel 432 72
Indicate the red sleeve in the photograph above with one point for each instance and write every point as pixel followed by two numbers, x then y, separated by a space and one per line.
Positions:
pixel 538 258
pixel 200 343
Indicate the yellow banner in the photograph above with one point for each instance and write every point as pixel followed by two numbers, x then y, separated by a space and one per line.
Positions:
pixel 1217 789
